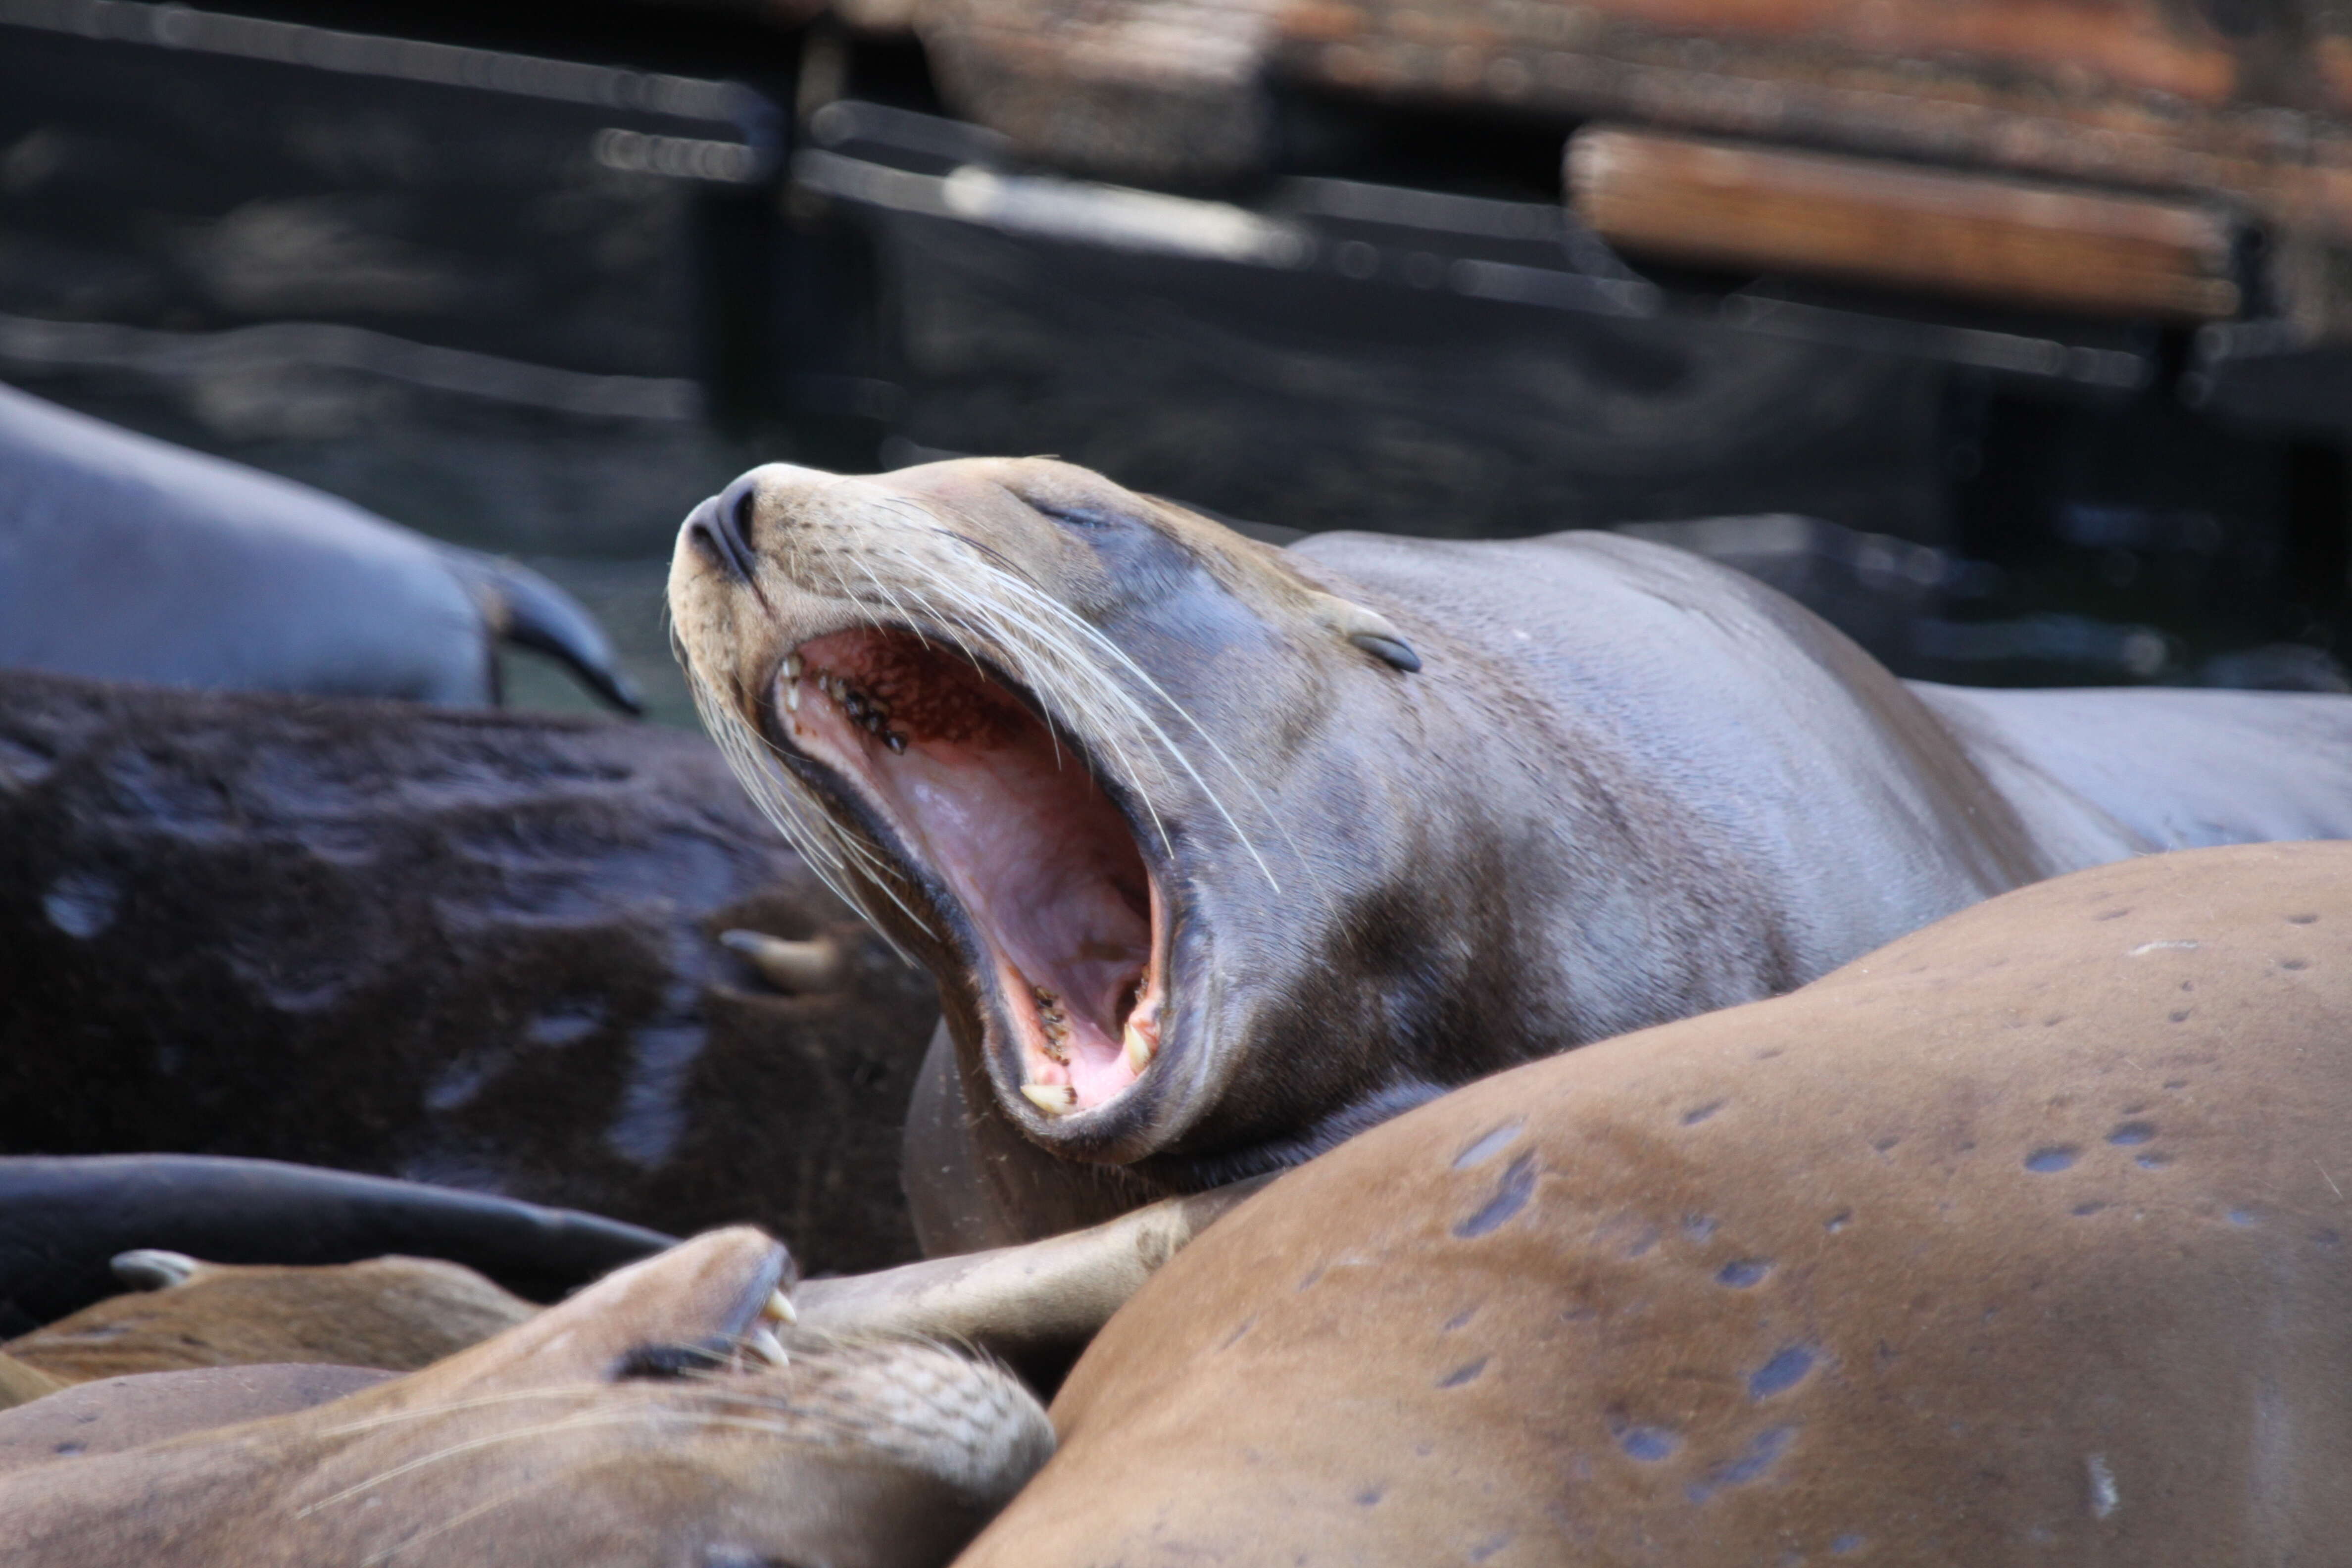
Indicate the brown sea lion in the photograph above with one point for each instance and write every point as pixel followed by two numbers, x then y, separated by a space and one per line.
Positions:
pixel 1222 852
pixel 639 1422
pixel 2023 1239
pixel 109 1414
pixel 394 1313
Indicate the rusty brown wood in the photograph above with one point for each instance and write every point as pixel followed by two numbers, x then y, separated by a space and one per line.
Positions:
pixel 2200 100
pixel 1901 227
pixel 2128 92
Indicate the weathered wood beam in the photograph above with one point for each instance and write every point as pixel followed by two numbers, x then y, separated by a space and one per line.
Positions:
pixel 1761 208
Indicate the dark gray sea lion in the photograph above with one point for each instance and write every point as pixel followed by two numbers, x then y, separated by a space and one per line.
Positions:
pixel 653 1419
pixel 472 948
pixel 1222 852
pixel 130 559
pixel 64 1221
pixel 2022 1239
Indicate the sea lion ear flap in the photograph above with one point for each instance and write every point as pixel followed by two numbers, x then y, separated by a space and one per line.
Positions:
pixel 1369 630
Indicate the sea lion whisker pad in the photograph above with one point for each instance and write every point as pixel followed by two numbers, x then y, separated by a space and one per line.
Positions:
pixel 1222 852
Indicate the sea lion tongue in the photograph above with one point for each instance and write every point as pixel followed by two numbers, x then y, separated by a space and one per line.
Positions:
pixel 1042 864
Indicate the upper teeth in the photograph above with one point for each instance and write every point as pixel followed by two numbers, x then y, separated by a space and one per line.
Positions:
pixel 868 713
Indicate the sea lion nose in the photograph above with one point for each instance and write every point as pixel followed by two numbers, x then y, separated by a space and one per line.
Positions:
pixel 722 528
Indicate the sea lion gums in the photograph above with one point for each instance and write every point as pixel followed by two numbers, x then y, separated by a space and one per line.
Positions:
pixel 655 1418
pixel 1222 853
pixel 2025 1238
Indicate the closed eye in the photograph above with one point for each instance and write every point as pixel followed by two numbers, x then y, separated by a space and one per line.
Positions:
pixel 1079 516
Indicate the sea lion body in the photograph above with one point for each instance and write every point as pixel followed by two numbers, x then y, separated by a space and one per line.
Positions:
pixel 1362 819
pixel 107 1414
pixel 64 1221
pixel 398 1314
pixel 128 559
pixel 2024 1237
pixel 637 1424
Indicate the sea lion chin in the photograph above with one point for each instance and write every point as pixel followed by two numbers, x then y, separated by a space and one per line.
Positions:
pixel 1222 853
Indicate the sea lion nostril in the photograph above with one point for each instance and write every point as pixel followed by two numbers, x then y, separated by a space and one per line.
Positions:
pixel 722 528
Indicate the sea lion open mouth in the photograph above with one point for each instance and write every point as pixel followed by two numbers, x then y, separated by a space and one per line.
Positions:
pixel 991 807
pixel 934 694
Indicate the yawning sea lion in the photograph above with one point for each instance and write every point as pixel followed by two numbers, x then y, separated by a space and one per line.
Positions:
pixel 2025 1238
pixel 1222 852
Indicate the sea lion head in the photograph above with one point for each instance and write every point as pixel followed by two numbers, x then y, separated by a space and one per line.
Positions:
pixel 670 1414
pixel 1079 750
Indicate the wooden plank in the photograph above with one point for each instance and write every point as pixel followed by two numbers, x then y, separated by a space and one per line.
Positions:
pixel 1758 208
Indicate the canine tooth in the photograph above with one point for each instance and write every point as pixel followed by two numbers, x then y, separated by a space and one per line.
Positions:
pixel 763 1344
pixel 1053 1098
pixel 780 1309
pixel 791 696
pixel 1139 1048
pixel 793 666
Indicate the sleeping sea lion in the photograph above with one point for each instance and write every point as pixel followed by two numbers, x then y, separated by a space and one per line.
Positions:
pixel 1221 852
pixel 130 559
pixel 394 1313
pixel 652 1419
pixel 2025 1238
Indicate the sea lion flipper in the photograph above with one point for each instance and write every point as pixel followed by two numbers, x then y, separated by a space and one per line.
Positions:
pixel 1367 630
pixel 527 610
pixel 152 1268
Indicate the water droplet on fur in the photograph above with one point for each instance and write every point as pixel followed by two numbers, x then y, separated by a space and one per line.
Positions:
pixel 1511 1195
pixel 1648 1444
pixel 1487 1146
pixel 1782 1373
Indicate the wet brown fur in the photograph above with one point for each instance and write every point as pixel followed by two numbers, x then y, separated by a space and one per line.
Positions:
pixel 2024 1237
pixel 538 1447
pixel 394 1313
